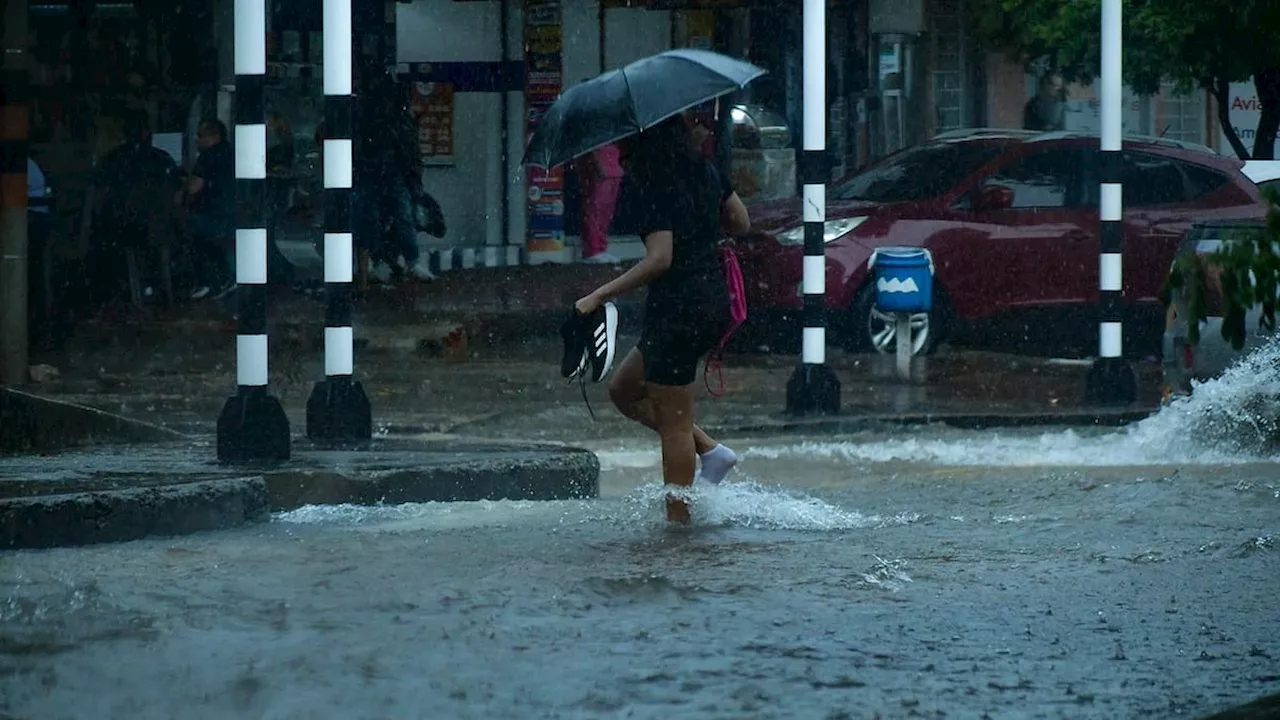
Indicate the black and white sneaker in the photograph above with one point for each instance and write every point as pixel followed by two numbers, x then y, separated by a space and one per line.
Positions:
pixel 604 340
pixel 573 332
pixel 590 342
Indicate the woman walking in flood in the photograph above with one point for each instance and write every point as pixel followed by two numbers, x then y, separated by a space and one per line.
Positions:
pixel 685 206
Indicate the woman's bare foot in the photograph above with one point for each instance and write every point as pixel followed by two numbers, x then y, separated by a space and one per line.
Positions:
pixel 678 510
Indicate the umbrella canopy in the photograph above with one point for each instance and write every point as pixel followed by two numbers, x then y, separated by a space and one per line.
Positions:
pixel 637 97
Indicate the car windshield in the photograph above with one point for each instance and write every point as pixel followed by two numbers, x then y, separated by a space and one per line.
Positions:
pixel 925 171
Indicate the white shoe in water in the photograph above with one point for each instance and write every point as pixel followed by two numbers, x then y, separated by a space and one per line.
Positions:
pixel 716 465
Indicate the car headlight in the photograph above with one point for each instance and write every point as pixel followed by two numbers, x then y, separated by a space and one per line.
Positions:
pixel 831 230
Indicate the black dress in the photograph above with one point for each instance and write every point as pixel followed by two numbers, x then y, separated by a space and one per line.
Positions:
pixel 687 310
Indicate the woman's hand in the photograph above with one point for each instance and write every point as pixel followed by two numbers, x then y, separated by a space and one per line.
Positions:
pixel 588 304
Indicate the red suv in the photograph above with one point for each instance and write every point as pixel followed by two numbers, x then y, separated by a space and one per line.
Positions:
pixel 1011 218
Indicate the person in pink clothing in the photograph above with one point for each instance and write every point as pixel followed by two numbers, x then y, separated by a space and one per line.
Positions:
pixel 600 175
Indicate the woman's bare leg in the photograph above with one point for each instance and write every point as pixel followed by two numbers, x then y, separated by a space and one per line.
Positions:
pixel 673 410
pixel 629 393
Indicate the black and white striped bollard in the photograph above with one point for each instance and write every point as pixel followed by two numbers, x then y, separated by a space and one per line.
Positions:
pixel 338 409
pixel 1111 380
pixel 252 425
pixel 813 386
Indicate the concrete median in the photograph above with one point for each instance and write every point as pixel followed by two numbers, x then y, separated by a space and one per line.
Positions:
pixel 119 493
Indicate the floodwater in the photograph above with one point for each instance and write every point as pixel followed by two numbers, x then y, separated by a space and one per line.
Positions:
pixel 930 573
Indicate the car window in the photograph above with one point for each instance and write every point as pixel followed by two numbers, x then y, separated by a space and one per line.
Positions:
pixel 1151 180
pixel 1040 180
pixel 1201 180
pixel 922 172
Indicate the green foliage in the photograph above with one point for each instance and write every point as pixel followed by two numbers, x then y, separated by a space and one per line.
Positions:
pixel 1195 43
pixel 1249 275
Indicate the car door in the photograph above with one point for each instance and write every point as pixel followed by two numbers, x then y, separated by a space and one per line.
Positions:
pixel 1157 216
pixel 1034 248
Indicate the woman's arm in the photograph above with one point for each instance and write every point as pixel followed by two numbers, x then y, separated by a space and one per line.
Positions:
pixel 656 261
pixel 734 218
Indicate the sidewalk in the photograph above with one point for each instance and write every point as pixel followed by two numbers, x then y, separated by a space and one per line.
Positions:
pixel 513 390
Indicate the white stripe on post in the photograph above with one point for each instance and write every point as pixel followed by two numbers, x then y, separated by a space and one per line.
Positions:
pixel 1110 206
pixel 251 256
pixel 815 275
pixel 1110 273
pixel 251 152
pixel 250 37
pixel 815 203
pixel 337 257
pixel 338 161
pixel 1112 95
pixel 339 350
pixel 251 360
pixel 814 351
pixel 337 36
pixel 1109 339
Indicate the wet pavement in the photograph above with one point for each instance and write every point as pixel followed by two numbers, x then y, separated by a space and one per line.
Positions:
pixel 921 571
pixel 817 584
pixel 941 572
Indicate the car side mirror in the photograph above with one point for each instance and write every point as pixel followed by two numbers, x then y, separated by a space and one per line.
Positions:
pixel 995 197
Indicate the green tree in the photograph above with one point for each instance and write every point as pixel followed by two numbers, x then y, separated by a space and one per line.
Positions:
pixel 1205 44
pixel 1248 275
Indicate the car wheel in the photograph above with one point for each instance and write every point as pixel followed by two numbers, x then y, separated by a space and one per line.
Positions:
pixel 870 330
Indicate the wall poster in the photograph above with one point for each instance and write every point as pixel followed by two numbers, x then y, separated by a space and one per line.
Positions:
pixel 544 79
pixel 432 107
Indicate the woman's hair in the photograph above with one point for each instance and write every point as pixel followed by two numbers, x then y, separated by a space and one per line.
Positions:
pixel 663 151
pixel 665 155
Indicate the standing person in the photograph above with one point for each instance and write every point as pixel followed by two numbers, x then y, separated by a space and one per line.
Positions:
pixel 388 170
pixel 126 207
pixel 600 175
pixel 210 199
pixel 1046 111
pixel 685 206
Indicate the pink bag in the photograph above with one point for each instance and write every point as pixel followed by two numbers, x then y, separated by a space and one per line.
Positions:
pixel 737 316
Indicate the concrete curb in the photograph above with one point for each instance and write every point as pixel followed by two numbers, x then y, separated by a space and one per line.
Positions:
pixel 130 514
pixel 188 500
pixel 843 424
pixel 515 473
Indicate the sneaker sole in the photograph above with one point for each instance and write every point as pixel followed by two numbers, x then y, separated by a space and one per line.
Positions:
pixel 611 339
pixel 573 338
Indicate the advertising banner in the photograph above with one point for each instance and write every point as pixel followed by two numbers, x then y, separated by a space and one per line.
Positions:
pixel 543 83
pixel 432 107
pixel 1245 112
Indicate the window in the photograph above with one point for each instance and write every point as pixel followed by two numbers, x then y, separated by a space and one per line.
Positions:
pixel 1151 180
pixel 1042 180
pixel 1202 180
pixel 922 172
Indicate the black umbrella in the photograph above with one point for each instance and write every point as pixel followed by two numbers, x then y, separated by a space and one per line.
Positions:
pixel 635 98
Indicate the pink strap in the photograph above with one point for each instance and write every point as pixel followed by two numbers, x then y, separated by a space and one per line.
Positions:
pixel 737 316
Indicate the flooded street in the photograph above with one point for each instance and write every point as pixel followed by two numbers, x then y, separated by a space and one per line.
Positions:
pixel 1029 574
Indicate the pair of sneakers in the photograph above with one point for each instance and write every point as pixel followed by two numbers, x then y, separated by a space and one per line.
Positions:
pixel 590 343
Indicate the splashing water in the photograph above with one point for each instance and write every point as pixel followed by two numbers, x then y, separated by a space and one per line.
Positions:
pixel 752 505
pixel 431 515
pixel 737 504
pixel 1231 419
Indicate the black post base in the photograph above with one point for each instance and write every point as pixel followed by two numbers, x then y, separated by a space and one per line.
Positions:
pixel 813 388
pixel 1111 381
pixel 252 427
pixel 338 411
